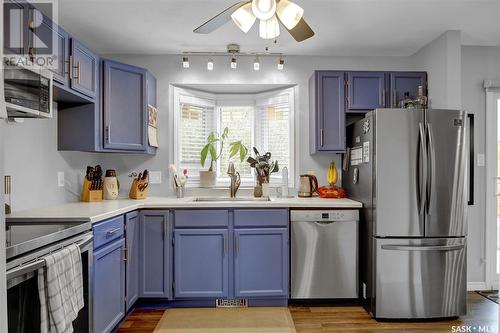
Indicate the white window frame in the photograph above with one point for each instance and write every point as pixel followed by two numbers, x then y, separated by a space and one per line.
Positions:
pixel 220 101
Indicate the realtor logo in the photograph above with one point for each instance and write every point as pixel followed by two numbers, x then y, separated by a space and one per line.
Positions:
pixel 30 37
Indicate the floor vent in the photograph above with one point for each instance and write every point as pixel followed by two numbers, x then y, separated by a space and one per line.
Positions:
pixel 231 303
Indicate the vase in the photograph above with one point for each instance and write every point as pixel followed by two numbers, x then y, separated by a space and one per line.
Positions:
pixel 207 178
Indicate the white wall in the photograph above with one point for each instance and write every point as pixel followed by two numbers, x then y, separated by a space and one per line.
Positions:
pixel 478 64
pixel 441 58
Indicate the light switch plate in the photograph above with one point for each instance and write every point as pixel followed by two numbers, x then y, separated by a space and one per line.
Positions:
pixel 60 179
pixel 480 160
pixel 155 177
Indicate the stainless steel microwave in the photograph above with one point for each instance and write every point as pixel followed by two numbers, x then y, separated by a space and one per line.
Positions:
pixel 28 91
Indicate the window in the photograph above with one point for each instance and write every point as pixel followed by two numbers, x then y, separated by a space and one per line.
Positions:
pixel 264 121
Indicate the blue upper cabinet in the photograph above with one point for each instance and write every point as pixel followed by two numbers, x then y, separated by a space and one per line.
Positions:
pixel 15 27
pixel 327 111
pixel 365 91
pixel 155 254
pixel 261 262
pixel 402 82
pixel 84 69
pixel 125 107
pixel 132 233
pixel 201 264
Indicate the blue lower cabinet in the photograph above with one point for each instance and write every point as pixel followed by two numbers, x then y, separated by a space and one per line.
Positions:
pixel 261 262
pixel 109 286
pixel 132 263
pixel 201 263
pixel 155 254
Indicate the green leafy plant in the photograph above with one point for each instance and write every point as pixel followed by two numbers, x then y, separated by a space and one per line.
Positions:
pixel 235 148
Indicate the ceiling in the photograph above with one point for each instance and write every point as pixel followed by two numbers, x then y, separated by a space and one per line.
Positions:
pixel 343 27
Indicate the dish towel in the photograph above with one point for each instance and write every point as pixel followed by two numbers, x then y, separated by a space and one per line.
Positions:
pixel 60 288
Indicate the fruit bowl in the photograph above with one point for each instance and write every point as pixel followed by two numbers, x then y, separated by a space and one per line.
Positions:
pixel 332 192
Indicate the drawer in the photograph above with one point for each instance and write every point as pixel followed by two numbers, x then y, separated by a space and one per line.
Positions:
pixel 108 231
pixel 201 218
pixel 261 218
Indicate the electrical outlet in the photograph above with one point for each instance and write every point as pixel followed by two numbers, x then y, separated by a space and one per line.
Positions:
pixel 481 160
pixel 60 179
pixel 155 177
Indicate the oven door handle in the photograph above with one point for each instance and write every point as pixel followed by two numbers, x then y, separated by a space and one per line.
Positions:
pixel 37 264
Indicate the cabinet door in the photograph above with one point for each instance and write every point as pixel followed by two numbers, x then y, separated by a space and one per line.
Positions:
pixel 125 107
pixel 402 82
pixel 15 27
pixel 261 262
pixel 366 91
pixel 330 110
pixel 47 31
pixel 109 286
pixel 154 255
pixel 85 69
pixel 132 263
pixel 201 263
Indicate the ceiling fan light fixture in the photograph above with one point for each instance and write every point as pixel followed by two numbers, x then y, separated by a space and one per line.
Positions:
pixel 244 17
pixel 269 29
pixel 289 13
pixel 264 9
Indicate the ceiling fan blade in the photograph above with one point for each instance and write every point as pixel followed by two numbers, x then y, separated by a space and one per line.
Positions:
pixel 301 31
pixel 219 20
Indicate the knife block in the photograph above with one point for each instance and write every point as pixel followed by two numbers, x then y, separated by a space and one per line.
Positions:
pixel 135 193
pixel 89 195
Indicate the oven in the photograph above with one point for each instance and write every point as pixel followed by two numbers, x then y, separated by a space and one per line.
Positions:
pixel 28 91
pixel 26 247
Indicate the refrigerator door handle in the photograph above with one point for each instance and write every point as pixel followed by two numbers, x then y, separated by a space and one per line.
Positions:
pixel 432 168
pixel 423 248
pixel 421 169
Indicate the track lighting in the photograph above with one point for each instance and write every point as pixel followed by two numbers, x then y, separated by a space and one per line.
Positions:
pixel 281 64
pixel 210 65
pixel 234 64
pixel 185 62
pixel 256 64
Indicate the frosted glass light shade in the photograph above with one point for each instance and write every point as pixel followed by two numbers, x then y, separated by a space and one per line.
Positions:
pixel 264 9
pixel 269 29
pixel 243 17
pixel 289 13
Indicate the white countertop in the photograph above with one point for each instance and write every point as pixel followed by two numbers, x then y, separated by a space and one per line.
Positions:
pixel 98 211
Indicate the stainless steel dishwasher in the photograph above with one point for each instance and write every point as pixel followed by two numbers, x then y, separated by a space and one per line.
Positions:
pixel 324 254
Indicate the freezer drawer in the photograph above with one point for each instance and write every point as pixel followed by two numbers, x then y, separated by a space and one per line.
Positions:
pixel 324 259
pixel 420 278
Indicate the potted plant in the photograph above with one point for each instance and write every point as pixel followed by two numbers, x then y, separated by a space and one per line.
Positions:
pixel 208 178
pixel 264 167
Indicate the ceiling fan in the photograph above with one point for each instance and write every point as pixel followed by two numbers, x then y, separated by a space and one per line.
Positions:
pixel 269 12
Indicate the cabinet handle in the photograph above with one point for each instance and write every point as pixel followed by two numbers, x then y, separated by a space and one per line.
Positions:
pixel 321 137
pixel 237 245
pixel 66 62
pixel 110 233
pixel 394 99
pixel 125 254
pixel 382 98
pixel 77 67
pixel 79 72
pixel 70 67
pixel 107 133
pixel 225 246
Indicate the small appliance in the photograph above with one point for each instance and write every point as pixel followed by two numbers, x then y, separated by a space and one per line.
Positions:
pixel 308 185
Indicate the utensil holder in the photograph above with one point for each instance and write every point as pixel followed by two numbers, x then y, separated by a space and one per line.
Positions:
pixel 135 190
pixel 89 195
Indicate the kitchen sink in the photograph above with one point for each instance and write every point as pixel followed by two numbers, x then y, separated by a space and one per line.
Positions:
pixel 227 199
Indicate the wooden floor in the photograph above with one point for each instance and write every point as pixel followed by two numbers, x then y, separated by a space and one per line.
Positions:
pixel 352 319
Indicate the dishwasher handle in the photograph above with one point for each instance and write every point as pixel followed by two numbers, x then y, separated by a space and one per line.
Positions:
pixel 324 222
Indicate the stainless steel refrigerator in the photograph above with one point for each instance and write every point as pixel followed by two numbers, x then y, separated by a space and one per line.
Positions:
pixel 409 169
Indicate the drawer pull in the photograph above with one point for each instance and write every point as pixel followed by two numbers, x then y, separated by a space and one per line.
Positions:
pixel 111 232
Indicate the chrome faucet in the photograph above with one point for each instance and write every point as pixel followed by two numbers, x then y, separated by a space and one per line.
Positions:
pixel 235 179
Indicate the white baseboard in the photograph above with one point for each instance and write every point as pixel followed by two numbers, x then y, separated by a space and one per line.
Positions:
pixel 473 286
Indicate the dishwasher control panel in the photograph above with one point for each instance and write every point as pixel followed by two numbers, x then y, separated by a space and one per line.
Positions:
pixel 324 215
